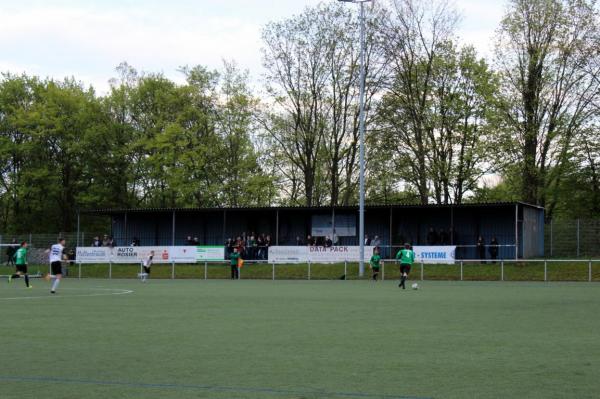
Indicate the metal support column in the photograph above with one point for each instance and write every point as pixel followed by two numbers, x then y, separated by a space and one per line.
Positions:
pixel 173 231
pixel 78 226
pixel 126 230
pixel 451 225
pixel 333 226
pixel 277 227
pixel 391 233
pixel 224 226
pixel 517 231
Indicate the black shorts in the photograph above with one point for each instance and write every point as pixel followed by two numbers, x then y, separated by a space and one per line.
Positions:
pixel 404 268
pixel 56 268
pixel 376 269
pixel 22 268
pixel 146 269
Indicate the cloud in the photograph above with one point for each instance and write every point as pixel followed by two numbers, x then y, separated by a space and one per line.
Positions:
pixel 88 39
pixel 91 41
pixel 480 19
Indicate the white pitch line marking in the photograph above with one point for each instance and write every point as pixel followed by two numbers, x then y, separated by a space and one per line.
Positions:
pixel 121 292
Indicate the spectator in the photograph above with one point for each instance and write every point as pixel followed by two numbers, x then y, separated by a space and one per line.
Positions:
pixel 251 247
pixel 189 240
pixel 481 249
pixel 135 242
pixel 196 241
pixel 267 245
pixel 367 240
pixel 493 249
pixel 444 239
pixel 376 241
pixel 96 242
pixel 111 243
pixel 105 241
pixel 299 241
pixel 228 247
pixel 328 242
pixel 260 244
pixel 310 241
pixel 432 237
pixel 240 244
pixel 71 256
pixel 11 251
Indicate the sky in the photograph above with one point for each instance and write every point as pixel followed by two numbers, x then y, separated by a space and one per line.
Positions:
pixel 88 39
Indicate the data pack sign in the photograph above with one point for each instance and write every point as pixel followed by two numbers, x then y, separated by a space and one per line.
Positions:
pixel 292 254
pixel 162 254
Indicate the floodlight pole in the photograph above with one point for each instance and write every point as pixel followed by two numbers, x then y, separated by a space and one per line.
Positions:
pixel 361 128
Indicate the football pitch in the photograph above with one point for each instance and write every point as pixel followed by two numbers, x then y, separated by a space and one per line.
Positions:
pixel 299 339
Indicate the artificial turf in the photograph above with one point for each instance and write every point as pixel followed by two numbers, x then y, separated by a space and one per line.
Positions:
pixel 299 339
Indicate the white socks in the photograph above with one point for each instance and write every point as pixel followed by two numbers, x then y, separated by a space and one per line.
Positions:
pixel 55 283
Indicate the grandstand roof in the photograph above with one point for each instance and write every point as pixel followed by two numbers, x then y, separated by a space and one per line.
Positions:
pixel 112 211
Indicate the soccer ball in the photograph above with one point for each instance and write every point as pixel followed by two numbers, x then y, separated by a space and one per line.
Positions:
pixel 415 286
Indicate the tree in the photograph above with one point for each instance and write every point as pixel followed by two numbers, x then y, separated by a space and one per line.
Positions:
pixel 433 113
pixel 243 181
pixel 548 59
pixel 312 63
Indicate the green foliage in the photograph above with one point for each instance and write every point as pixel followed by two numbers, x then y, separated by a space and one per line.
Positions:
pixel 149 142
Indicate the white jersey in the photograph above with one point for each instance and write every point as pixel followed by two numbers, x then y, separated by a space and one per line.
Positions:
pixel 148 261
pixel 56 253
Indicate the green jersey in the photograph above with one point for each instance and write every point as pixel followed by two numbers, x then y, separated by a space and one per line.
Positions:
pixel 375 259
pixel 21 256
pixel 234 258
pixel 406 256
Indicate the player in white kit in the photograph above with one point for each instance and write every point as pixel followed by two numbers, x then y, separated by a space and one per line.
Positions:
pixel 147 265
pixel 56 258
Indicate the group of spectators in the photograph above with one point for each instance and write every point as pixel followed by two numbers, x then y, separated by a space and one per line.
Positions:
pixel 492 249
pixel 316 241
pixel 109 241
pixel 193 241
pixel 106 241
pixel 327 241
pixel 441 237
pixel 250 246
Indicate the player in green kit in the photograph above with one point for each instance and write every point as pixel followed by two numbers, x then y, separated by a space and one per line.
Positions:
pixel 21 263
pixel 375 263
pixel 406 257
pixel 234 258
